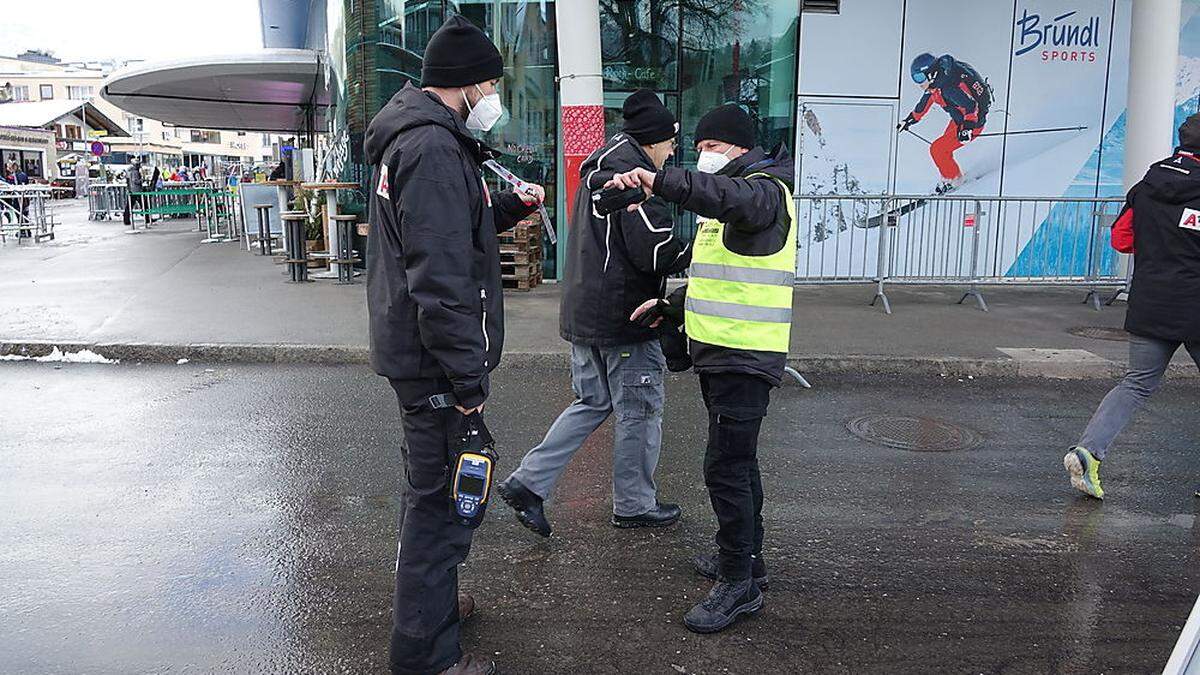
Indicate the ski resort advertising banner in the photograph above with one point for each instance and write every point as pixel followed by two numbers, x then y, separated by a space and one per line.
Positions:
pixel 987 113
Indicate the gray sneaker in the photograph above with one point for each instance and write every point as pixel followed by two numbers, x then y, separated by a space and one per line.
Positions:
pixel 724 604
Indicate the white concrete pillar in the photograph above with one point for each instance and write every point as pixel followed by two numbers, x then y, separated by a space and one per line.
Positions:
pixel 1153 63
pixel 581 87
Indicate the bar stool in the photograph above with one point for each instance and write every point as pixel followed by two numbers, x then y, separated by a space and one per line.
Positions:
pixel 264 228
pixel 295 246
pixel 343 248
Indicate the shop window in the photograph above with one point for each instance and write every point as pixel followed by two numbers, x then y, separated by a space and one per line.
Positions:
pixel 525 34
pixel 46 91
pixel 639 44
pixel 204 136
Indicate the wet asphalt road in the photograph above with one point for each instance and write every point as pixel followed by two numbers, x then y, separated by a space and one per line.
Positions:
pixel 241 519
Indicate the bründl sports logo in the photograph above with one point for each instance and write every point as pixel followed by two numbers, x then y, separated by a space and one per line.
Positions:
pixel 1065 37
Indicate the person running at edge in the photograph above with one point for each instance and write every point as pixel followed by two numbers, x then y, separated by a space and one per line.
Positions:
pixel 436 313
pixel 1160 226
pixel 964 95
pixel 613 263
pixel 737 312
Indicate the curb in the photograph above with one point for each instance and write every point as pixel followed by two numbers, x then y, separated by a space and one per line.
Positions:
pixel 1042 367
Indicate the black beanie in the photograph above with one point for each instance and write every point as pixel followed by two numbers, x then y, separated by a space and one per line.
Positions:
pixel 460 54
pixel 729 124
pixel 647 119
pixel 1189 133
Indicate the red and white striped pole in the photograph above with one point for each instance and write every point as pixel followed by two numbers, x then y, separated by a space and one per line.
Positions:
pixel 581 87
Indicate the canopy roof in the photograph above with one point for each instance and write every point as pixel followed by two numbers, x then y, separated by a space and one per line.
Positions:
pixel 268 90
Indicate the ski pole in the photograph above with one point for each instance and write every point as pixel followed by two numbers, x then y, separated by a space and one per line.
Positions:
pixel 927 141
pixel 1031 131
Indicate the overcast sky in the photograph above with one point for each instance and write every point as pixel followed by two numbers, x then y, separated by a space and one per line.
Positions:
pixel 77 30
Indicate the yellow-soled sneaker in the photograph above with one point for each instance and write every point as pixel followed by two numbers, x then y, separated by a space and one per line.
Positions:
pixel 1085 472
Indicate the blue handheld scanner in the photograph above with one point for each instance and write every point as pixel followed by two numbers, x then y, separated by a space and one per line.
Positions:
pixel 472 482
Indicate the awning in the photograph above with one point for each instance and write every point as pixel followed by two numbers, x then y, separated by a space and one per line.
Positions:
pixel 269 90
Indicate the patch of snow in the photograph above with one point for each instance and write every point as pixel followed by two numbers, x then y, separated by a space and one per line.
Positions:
pixel 58 356
pixel 180 362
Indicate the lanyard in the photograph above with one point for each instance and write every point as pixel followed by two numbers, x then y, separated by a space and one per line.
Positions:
pixel 521 186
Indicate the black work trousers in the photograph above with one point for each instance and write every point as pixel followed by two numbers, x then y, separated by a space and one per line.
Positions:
pixel 736 406
pixel 137 202
pixel 425 622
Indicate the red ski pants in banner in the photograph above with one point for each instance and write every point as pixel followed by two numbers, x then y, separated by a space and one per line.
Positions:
pixel 943 147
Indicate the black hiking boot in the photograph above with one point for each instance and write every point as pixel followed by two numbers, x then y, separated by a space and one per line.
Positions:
pixel 527 505
pixel 708 565
pixel 725 603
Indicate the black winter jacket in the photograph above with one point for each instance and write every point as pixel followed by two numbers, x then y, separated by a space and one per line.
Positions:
pixel 617 262
pixel 434 292
pixel 755 212
pixel 1164 299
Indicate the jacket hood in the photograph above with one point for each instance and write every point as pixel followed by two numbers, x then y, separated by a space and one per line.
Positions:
pixel 410 108
pixel 1175 180
pixel 620 153
pixel 778 164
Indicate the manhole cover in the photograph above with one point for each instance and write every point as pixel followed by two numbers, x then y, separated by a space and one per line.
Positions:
pixel 1100 333
pixel 922 434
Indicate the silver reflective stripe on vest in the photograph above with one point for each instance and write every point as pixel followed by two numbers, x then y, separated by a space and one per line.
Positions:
pixel 729 310
pixel 748 275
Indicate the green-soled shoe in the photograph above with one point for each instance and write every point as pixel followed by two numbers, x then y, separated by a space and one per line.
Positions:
pixel 1085 472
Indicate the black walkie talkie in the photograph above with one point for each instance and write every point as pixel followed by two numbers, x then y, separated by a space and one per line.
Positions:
pixel 612 199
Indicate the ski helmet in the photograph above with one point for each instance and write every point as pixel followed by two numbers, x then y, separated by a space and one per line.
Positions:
pixel 921 67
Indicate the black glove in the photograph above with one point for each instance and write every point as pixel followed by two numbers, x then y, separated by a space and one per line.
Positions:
pixel 908 122
pixel 964 135
pixel 661 310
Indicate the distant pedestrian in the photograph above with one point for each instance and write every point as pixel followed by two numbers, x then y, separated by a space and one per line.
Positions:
pixel 1160 226
pixel 134 182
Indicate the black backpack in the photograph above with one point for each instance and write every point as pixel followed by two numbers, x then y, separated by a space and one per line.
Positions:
pixel 979 86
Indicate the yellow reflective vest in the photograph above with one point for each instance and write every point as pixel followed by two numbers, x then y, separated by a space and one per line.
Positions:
pixel 740 301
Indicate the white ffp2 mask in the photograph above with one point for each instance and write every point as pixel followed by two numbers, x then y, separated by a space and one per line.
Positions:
pixel 712 162
pixel 485 113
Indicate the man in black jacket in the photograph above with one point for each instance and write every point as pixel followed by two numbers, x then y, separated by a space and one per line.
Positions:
pixel 614 263
pixel 134 183
pixel 1160 225
pixel 436 315
pixel 738 315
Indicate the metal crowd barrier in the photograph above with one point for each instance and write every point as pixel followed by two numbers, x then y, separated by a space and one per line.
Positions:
pixel 106 200
pixel 25 213
pixel 959 240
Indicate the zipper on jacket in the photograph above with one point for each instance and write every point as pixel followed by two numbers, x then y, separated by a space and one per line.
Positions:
pixel 487 342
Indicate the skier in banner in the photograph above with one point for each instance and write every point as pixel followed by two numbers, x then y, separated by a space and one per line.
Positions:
pixel 964 95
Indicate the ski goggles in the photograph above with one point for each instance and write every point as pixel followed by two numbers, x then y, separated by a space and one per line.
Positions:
pixel 919 77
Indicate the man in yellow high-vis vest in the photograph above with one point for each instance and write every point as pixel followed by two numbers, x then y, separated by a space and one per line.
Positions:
pixel 737 312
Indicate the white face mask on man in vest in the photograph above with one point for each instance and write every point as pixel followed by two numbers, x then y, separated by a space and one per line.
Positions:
pixel 713 162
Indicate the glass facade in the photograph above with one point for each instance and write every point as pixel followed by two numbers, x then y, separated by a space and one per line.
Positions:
pixel 697 54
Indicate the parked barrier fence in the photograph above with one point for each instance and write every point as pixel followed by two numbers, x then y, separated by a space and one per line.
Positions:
pixel 25 213
pixel 959 240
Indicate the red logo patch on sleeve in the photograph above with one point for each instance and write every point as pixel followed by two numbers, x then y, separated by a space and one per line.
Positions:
pixel 1190 220
pixel 383 189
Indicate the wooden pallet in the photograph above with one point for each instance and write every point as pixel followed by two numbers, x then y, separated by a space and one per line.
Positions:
pixel 522 283
pixel 519 257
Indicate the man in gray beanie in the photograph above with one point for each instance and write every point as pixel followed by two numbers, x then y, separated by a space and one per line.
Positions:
pixel 436 309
